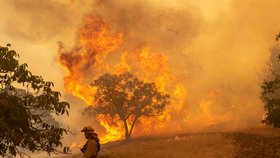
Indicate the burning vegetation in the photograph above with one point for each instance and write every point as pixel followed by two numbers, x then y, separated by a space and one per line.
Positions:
pixel 89 59
pixel 99 50
pixel 154 68
pixel 124 97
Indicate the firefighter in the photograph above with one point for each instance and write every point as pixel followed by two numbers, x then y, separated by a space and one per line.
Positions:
pixel 92 146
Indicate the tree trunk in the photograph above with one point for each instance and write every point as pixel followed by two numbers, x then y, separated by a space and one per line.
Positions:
pixel 127 135
pixel 132 125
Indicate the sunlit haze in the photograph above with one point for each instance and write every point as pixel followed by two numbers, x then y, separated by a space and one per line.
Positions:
pixel 209 55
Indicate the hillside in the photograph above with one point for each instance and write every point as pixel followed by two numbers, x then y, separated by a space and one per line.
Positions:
pixel 255 142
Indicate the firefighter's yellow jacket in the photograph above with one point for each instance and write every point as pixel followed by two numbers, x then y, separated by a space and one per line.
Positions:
pixel 91 149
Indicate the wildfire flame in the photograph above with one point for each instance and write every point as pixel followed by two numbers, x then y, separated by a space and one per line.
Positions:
pixel 89 58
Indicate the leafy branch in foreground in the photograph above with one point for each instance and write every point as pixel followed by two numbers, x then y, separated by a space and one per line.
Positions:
pixel 27 103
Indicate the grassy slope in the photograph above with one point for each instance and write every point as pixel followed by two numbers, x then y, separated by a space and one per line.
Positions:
pixel 191 145
pixel 259 142
pixel 255 142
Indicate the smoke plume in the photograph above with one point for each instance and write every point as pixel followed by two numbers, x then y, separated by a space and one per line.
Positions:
pixel 216 50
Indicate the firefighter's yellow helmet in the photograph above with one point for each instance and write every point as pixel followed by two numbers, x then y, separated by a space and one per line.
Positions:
pixel 88 129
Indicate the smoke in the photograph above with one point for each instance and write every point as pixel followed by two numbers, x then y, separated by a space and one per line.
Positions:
pixel 232 51
pixel 163 27
pixel 219 48
pixel 37 20
pixel 33 28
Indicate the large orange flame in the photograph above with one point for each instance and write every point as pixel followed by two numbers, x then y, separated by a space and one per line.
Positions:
pixel 95 54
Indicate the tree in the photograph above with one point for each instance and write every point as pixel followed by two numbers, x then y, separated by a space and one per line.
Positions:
pixel 271 89
pixel 270 96
pixel 127 98
pixel 26 104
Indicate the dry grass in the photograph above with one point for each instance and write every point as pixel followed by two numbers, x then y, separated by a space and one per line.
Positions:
pixel 208 145
pixel 258 142
pixel 266 131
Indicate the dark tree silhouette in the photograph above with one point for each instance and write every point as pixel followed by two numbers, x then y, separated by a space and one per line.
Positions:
pixel 271 89
pixel 26 105
pixel 127 98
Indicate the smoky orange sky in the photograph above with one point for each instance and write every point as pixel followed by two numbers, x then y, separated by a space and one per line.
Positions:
pixel 219 48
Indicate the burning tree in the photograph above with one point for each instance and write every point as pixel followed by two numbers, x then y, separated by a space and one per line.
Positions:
pixel 99 50
pixel 127 98
pixel 26 105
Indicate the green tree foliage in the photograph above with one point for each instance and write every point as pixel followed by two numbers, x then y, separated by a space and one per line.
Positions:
pixel 127 98
pixel 26 103
pixel 271 89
